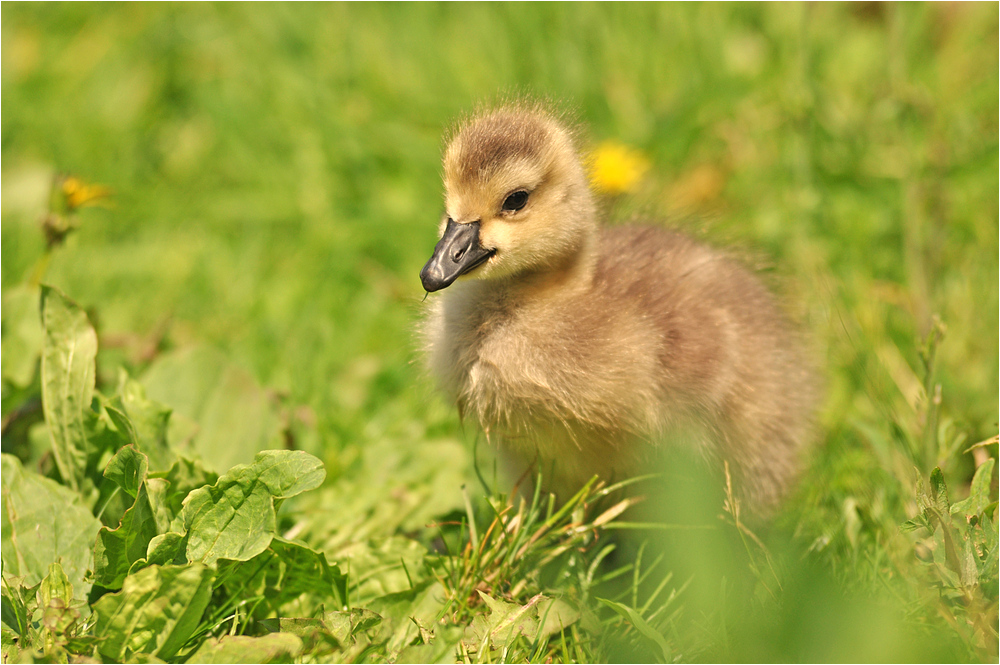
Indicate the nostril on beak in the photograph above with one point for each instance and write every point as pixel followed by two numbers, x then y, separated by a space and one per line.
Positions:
pixel 457 256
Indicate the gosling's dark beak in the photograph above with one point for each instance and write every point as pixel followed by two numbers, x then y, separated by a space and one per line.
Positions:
pixel 456 253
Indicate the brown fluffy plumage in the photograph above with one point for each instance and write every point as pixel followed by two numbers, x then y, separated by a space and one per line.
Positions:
pixel 585 350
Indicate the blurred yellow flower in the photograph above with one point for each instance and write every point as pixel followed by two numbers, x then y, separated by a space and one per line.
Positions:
pixel 68 193
pixel 616 168
pixel 77 193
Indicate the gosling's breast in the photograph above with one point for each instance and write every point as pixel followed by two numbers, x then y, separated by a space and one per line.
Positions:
pixel 577 362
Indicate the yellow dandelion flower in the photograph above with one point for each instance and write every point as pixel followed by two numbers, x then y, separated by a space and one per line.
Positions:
pixel 616 168
pixel 77 193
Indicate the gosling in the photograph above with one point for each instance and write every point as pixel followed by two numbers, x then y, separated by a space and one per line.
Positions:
pixel 580 350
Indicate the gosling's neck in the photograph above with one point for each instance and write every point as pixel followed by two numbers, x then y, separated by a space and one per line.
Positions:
pixel 571 272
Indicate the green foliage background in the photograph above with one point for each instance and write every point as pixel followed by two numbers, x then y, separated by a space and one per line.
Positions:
pixel 276 188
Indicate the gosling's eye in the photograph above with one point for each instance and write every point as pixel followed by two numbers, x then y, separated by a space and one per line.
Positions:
pixel 516 201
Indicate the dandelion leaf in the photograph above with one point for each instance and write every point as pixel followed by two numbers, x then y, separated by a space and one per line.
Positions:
pixel 155 613
pixel 116 550
pixel 69 351
pixel 43 523
pixel 979 492
pixel 235 518
pixel 272 648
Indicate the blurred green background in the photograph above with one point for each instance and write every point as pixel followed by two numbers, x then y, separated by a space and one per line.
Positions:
pixel 276 168
pixel 275 171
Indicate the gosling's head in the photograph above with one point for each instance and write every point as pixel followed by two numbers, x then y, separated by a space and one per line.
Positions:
pixel 516 199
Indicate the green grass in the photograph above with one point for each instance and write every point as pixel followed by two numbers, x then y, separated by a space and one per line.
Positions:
pixel 276 188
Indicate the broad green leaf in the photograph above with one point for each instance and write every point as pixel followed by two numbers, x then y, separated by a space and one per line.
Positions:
pixel 121 421
pixel 640 624
pixel 44 522
pixel 283 573
pixel 127 469
pixel 555 615
pixel 923 500
pixel 108 500
pixel 165 549
pixel 68 355
pixel 150 420
pixel 18 603
pixel 398 611
pixel 346 624
pixel 183 476
pixel 271 648
pixel 230 520
pixel 988 570
pixel 158 491
pixel 301 627
pixel 312 632
pixel 235 518
pixel 116 550
pixel 108 429
pixel 287 472
pixel 9 640
pixel 22 335
pixel 979 491
pixel 236 418
pixel 940 515
pixel 156 611
pixel 339 625
pixel 362 619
